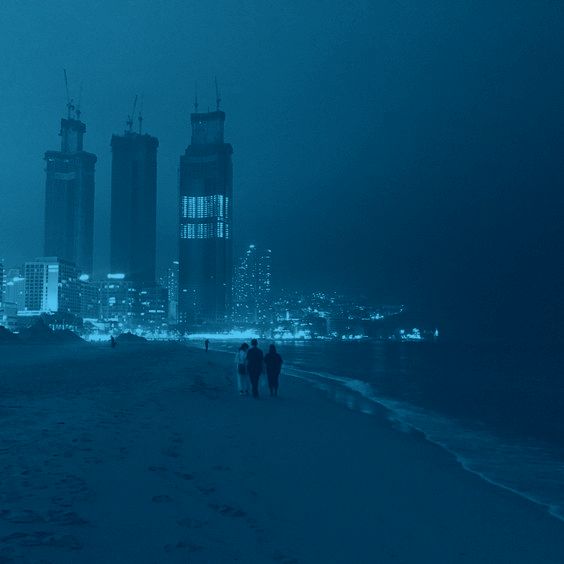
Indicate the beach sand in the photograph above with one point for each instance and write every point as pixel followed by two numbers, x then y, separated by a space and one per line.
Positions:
pixel 147 454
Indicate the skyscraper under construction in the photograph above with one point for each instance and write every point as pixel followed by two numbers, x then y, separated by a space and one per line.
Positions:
pixel 134 204
pixel 69 196
pixel 205 212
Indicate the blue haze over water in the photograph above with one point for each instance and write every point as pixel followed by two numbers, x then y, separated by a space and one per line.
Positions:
pixel 499 409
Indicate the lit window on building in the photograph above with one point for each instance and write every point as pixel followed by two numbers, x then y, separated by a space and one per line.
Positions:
pixel 204 207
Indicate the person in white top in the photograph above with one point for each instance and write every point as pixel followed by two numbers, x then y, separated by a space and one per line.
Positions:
pixel 242 376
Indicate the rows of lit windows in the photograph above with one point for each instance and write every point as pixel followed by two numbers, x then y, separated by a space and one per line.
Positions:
pixel 201 207
pixel 216 230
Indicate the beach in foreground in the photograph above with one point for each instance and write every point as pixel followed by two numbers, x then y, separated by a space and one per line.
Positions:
pixel 147 454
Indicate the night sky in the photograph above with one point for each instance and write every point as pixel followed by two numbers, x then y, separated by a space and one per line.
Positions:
pixel 409 151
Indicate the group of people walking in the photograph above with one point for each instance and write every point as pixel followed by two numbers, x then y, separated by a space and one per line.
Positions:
pixel 251 363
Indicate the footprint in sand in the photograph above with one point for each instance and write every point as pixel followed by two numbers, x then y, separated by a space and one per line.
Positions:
pixel 66 518
pixel 61 501
pixel 181 545
pixel 283 558
pixel 158 469
pixel 206 490
pixel 227 510
pixel 162 499
pixel 184 476
pixel 191 523
pixel 44 538
pixel 171 452
pixel 221 468
pixel 24 516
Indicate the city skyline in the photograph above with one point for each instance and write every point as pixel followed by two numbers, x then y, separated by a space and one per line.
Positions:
pixel 385 133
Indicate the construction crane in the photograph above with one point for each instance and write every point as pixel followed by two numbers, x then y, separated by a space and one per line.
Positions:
pixel 70 105
pixel 130 117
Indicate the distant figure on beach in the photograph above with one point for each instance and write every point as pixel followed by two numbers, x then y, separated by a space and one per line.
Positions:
pixel 255 361
pixel 207 344
pixel 273 362
pixel 241 362
pixel 112 342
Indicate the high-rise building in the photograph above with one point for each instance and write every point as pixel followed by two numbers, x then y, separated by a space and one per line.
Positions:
pixel 252 287
pixel 205 238
pixel 69 197
pixel 52 285
pixel 134 206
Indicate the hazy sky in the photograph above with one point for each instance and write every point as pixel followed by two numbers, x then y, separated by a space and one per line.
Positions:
pixel 412 151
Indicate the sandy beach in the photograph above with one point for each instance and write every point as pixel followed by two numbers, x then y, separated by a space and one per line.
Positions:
pixel 147 454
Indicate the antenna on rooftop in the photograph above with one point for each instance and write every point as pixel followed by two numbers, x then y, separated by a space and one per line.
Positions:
pixel 140 117
pixel 129 121
pixel 70 105
pixel 217 95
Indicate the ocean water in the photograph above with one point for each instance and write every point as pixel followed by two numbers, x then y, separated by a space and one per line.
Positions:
pixel 498 409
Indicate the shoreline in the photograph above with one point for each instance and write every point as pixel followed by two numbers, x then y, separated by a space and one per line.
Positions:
pixel 322 383
pixel 397 424
pixel 151 448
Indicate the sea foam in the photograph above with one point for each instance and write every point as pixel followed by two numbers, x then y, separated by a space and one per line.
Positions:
pixel 532 471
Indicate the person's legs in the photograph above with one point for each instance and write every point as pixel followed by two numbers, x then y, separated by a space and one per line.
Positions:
pixel 254 382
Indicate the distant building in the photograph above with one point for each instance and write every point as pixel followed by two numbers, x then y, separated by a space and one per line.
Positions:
pixel 134 206
pixel 69 197
pixel 9 316
pixel 131 306
pixel 89 298
pixel 117 297
pixel 52 285
pixel 151 311
pixel 14 288
pixel 252 300
pixel 205 238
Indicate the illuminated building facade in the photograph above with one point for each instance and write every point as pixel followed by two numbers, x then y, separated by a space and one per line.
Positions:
pixel 89 299
pixel 205 238
pixel 131 306
pixel 134 206
pixel 252 300
pixel 52 285
pixel 117 298
pixel 69 198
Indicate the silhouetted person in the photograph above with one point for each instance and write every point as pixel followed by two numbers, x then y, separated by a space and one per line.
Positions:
pixel 112 342
pixel 241 362
pixel 273 363
pixel 255 361
pixel 207 344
